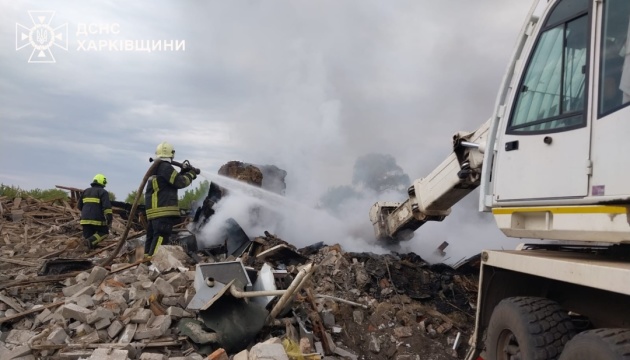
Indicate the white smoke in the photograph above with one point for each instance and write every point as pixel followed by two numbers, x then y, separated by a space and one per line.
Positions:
pixel 300 224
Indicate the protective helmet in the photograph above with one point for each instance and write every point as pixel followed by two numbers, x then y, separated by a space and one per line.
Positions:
pixel 100 179
pixel 165 150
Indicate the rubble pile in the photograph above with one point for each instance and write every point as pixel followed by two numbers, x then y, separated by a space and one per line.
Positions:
pixel 250 298
pixel 412 308
pixel 34 232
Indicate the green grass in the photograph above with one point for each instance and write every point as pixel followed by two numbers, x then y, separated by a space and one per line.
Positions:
pixel 12 192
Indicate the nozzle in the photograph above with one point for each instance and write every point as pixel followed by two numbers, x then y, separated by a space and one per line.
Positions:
pixel 181 165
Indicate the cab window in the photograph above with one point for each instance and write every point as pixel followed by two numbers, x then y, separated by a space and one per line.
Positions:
pixel 552 92
pixel 614 80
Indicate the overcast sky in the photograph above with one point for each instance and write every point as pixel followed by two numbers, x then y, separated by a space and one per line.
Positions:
pixel 305 85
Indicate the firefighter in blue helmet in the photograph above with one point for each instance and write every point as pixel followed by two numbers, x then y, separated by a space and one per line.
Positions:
pixel 96 211
pixel 161 200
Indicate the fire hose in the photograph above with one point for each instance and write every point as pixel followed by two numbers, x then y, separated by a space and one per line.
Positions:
pixel 132 213
pixel 185 165
pixel 134 208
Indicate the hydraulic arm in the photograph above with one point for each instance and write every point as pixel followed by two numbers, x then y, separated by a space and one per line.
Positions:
pixel 431 198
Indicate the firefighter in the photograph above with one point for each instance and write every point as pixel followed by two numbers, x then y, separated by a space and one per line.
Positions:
pixel 161 200
pixel 96 211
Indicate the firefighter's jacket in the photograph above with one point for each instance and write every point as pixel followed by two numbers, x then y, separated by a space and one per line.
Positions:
pixel 160 198
pixel 96 209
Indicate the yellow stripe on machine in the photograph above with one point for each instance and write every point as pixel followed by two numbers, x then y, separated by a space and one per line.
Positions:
pixel 585 209
pixel 591 223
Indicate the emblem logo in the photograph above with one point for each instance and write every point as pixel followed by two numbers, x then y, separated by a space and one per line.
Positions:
pixel 41 36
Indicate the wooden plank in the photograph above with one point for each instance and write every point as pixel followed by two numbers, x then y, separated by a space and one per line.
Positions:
pixel 17 262
pixel 68 188
pixel 96 252
pixel 41 214
pixel 39 279
pixel 105 345
pixel 37 236
pixel 52 254
pixel 11 303
pixel 130 265
pixel 28 312
pixel 316 320
pixel 52 200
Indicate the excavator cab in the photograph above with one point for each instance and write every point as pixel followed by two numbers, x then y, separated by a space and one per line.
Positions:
pixel 544 139
pixel 557 167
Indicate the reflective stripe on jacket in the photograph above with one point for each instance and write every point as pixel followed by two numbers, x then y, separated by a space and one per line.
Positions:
pixel 160 198
pixel 96 209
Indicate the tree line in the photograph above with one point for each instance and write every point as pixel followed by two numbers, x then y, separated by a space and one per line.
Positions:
pixel 185 200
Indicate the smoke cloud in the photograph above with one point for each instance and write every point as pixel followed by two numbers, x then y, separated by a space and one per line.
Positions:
pixel 340 217
pixel 257 210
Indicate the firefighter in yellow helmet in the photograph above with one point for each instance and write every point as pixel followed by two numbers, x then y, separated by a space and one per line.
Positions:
pixel 161 198
pixel 96 211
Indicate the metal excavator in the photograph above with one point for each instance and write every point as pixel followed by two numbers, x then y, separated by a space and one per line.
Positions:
pixel 550 164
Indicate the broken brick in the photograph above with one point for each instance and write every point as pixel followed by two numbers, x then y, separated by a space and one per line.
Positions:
pixel 73 311
pixel 156 327
pixel 218 354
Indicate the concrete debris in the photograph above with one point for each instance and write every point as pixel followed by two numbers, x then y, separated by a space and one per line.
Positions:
pixel 263 351
pixel 170 257
pixel 57 336
pixel 440 249
pixel 153 356
pixel 76 312
pixel 351 306
pixel 109 354
pixel 128 333
pixel 155 328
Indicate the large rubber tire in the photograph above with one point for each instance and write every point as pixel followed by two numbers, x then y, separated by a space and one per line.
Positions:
pixel 599 344
pixel 528 328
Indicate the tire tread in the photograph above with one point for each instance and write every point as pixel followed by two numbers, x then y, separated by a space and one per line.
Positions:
pixel 617 339
pixel 548 325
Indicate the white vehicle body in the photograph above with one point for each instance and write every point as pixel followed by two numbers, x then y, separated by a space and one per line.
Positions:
pixel 551 163
pixel 540 190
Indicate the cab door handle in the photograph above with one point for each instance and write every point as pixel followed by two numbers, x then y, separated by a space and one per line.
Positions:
pixel 511 145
